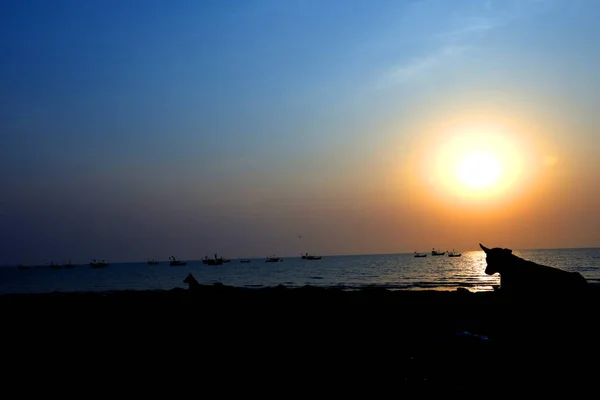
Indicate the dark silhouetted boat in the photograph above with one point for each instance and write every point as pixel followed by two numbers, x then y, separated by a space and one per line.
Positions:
pixel 175 262
pixel 214 261
pixel 420 254
pixel 273 259
pixel 453 254
pixel 99 264
pixel 434 252
pixel 152 262
pixel 307 256
pixel 55 266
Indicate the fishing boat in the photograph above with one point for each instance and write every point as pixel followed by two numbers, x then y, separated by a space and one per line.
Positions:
pixel 453 254
pixel 307 256
pixel 152 262
pixel 273 259
pixel 434 252
pixel 214 261
pixel 175 262
pixel 420 254
pixel 99 264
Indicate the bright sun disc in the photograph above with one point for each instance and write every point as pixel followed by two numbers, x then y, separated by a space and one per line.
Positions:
pixel 479 170
pixel 475 163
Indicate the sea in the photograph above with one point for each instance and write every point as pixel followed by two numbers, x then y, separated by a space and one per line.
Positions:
pixel 347 272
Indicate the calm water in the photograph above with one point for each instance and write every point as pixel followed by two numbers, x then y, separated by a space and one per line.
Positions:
pixel 393 271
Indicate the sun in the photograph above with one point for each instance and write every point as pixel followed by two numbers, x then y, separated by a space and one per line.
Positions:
pixel 479 170
pixel 479 162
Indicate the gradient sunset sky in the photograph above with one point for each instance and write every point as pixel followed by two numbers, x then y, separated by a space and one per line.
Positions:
pixel 143 129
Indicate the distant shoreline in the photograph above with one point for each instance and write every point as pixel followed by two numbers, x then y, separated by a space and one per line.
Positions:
pixel 302 295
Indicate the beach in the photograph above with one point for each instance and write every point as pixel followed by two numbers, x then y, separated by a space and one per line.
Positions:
pixel 418 337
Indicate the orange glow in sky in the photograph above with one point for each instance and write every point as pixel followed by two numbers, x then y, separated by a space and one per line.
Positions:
pixel 477 161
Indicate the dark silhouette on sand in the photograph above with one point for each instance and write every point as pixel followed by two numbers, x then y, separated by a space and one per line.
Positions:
pixel 520 276
pixel 191 281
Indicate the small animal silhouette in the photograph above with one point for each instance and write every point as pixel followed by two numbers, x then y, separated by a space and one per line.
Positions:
pixel 191 281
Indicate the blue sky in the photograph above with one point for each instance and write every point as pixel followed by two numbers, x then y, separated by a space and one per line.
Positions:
pixel 136 129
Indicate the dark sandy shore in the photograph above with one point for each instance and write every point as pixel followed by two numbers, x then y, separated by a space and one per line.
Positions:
pixel 397 337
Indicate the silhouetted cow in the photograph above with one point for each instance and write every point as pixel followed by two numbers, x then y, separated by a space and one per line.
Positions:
pixel 518 275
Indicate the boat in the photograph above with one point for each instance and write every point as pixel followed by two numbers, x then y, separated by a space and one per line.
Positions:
pixel 152 262
pixel 307 256
pixel 175 262
pixel 420 254
pixel 55 266
pixel 454 254
pixel 214 261
pixel 245 260
pixel 273 259
pixel 434 252
pixel 99 264
pixel 21 266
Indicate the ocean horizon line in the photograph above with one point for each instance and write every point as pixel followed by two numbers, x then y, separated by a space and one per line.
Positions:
pixel 50 263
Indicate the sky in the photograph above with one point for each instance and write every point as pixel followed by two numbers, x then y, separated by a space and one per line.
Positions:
pixel 143 129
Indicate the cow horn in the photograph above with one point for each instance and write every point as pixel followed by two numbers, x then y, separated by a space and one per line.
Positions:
pixel 484 248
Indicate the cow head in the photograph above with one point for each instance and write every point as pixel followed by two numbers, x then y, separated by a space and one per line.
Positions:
pixel 496 259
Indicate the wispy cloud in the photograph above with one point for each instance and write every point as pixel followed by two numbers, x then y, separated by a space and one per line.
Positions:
pixel 421 66
pixel 462 33
pixel 453 43
pixel 472 27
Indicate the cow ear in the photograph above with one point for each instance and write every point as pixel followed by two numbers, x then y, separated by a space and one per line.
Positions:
pixel 484 248
pixel 507 251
